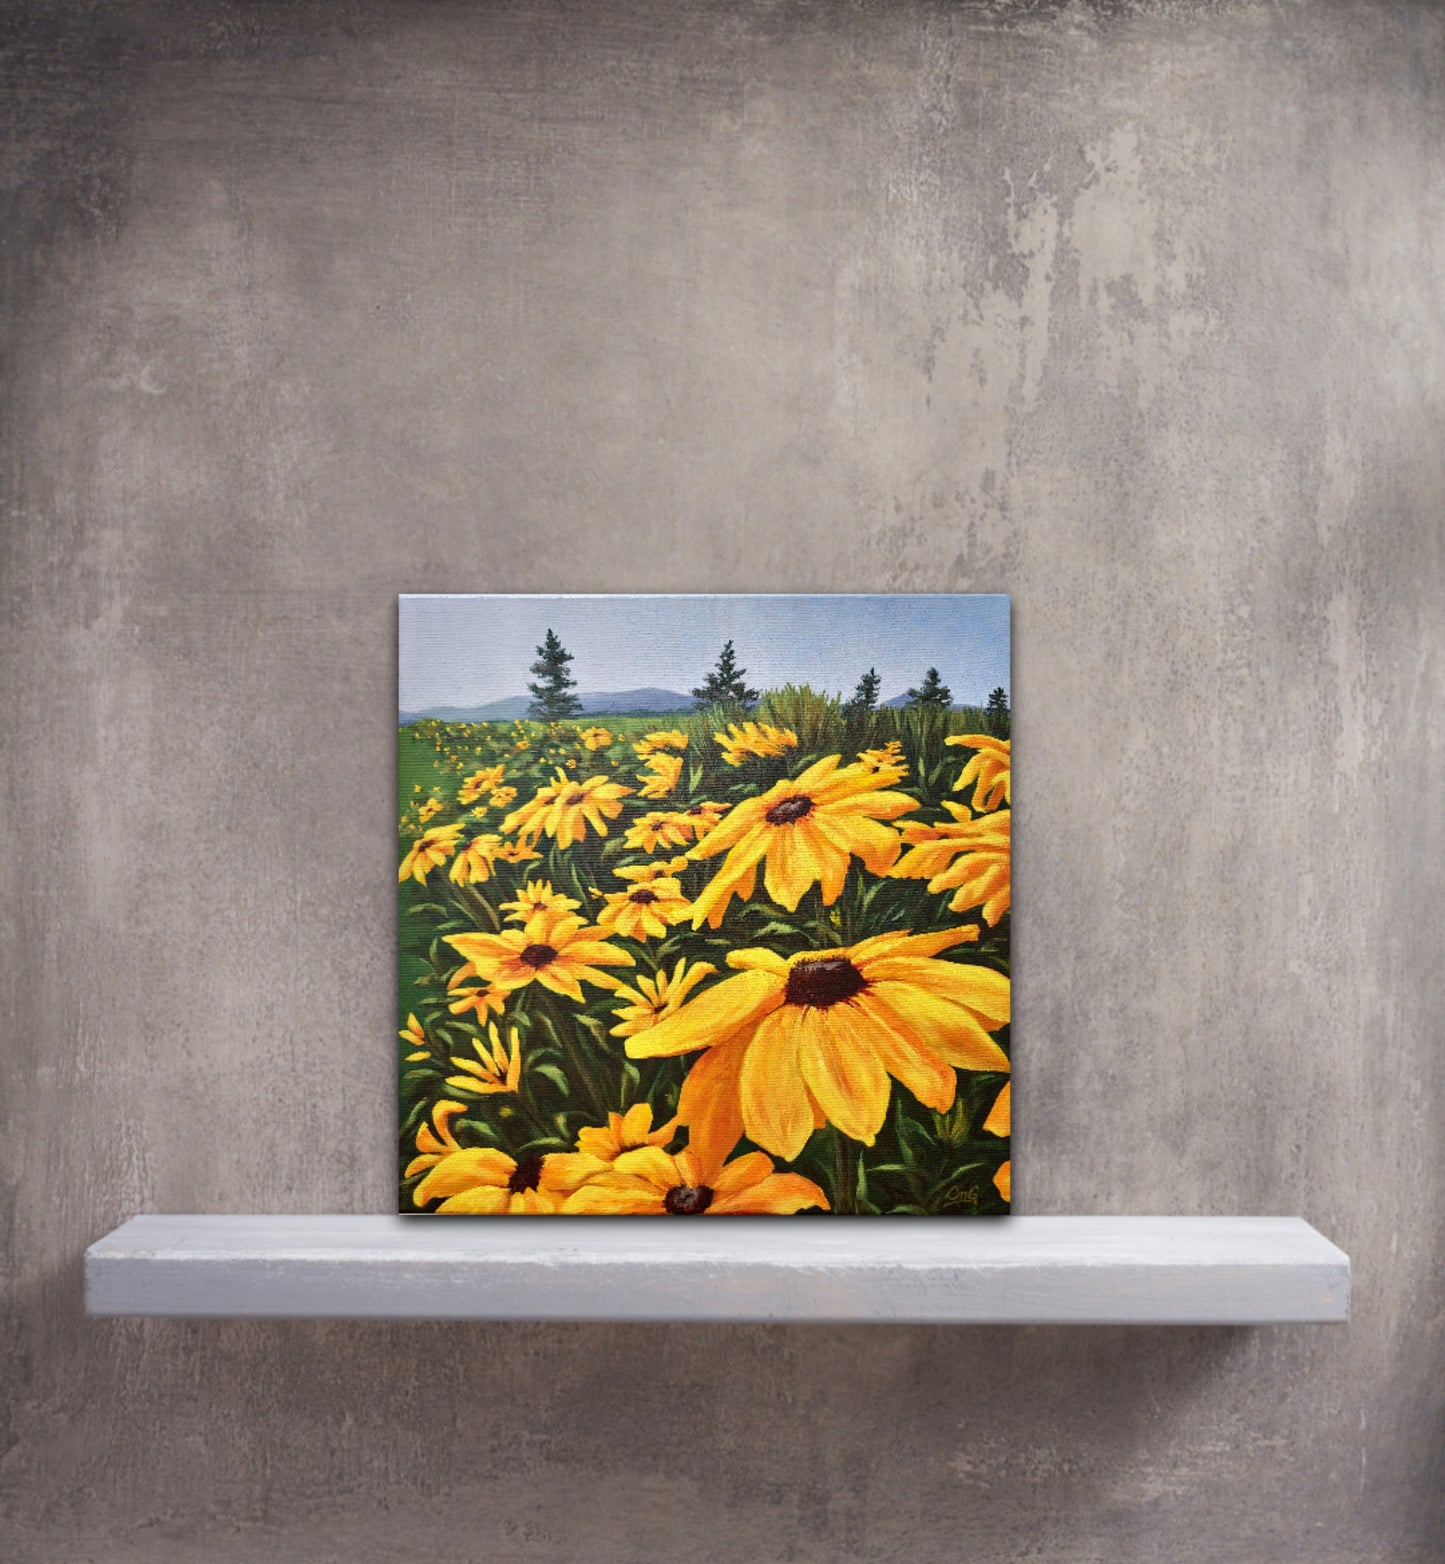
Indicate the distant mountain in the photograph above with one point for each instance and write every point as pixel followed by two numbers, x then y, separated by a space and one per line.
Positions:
pixel 595 703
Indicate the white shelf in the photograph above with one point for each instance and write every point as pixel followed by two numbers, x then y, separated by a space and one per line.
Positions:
pixel 1141 1270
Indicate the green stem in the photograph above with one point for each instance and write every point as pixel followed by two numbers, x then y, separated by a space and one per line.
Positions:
pixel 845 1174
pixel 567 1038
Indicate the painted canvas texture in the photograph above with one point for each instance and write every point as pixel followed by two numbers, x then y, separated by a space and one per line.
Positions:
pixel 704 905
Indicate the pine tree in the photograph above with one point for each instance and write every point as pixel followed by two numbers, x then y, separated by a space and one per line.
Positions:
pixel 932 692
pixel 998 713
pixel 865 697
pixel 725 682
pixel 552 695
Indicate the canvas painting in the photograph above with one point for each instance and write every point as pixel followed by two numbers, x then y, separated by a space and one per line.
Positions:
pixel 704 905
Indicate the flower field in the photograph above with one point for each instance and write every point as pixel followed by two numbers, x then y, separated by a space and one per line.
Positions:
pixel 738 960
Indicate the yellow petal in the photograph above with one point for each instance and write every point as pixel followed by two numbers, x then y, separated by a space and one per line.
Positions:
pixel 1003 1180
pixel 951 1031
pixel 776 1111
pixel 908 1059
pixel 979 989
pixel 779 1195
pixel 999 1117
pixel 483 1201
pixel 709 1103
pixel 842 1069
pixel 711 1017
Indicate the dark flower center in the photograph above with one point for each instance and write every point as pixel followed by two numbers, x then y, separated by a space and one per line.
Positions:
pixel 643 896
pixel 823 981
pixel 786 810
pixel 687 1200
pixel 576 796
pixel 527 1174
pixel 538 956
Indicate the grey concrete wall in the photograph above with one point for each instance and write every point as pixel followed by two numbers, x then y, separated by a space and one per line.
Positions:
pixel 1136 312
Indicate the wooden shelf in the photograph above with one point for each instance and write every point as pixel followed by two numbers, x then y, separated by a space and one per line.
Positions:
pixel 1023 1270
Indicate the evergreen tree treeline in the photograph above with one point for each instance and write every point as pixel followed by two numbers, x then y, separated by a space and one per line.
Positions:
pixel 552 695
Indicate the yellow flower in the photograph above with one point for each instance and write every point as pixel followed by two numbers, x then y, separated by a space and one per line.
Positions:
pixel 754 739
pixel 624 1132
pixel 645 873
pixel 673 828
pixel 535 894
pixel 501 797
pixel 988 770
pixel 473 865
pixel 483 1182
pixel 1000 1117
pixel 516 852
pixel 482 1000
pixel 554 948
pixel 498 1071
pixel 414 1036
pixel 970 858
pixel 434 846
pixel 655 998
pixel 806 830
pixel 663 773
pixel 480 782
pixel 887 764
pixel 565 808
pixel 1003 1181
pixel 794 1042
pixel 434 1144
pixel 596 738
pixel 649 1182
pixel 427 810
pixel 645 911
pixel 671 738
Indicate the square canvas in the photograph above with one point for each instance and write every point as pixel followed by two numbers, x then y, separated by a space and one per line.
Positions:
pixel 704 905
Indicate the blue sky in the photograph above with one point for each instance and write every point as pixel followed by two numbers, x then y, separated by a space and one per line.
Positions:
pixel 469 650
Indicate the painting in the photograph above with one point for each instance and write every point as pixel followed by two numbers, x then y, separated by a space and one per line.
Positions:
pixel 704 905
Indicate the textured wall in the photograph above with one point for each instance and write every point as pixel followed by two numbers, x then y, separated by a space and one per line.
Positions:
pixel 1136 312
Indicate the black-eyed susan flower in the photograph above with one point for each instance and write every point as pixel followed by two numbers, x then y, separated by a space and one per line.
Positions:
pixel 754 740
pixel 654 998
pixel 500 798
pixel 565 808
pixel 516 852
pixel 435 1140
pixel 794 1042
pixel 662 775
pixel 464 993
pixel 887 763
pixel 554 948
pixel 480 782
pixel 645 912
pixel 673 828
pixel 414 1036
pixel 805 831
pixel 625 1132
pixel 643 873
pixel 431 849
pixel 495 1069
pixel 481 1181
pixel 988 770
pixel 670 738
pixel 596 738
pixel 969 857
pixel 473 865
pixel 650 1182
pixel 534 895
